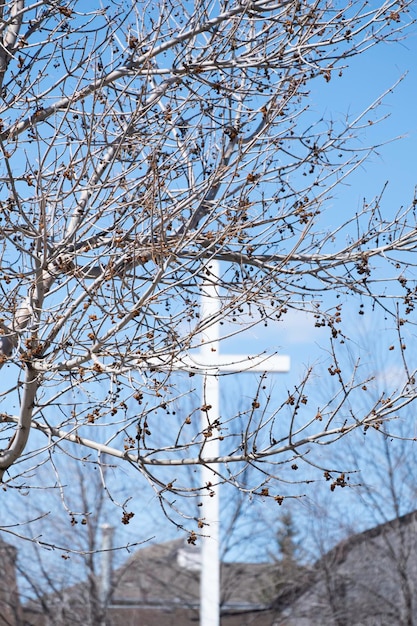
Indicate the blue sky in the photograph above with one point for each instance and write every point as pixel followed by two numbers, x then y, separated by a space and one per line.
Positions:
pixel 367 78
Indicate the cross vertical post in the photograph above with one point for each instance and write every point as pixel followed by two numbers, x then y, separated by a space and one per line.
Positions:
pixel 210 549
pixel 211 363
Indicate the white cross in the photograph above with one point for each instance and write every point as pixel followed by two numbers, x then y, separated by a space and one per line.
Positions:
pixel 210 363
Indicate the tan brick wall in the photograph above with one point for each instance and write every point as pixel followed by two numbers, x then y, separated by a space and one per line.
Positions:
pixel 10 611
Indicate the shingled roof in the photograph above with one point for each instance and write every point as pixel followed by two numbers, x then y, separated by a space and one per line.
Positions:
pixel 164 579
pixel 159 585
pixel 368 579
pixel 362 581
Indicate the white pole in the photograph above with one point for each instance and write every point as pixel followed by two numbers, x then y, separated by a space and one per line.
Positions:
pixel 210 561
pixel 210 363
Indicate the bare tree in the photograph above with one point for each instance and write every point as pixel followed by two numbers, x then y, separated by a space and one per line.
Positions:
pixel 385 465
pixel 365 537
pixel 367 578
pixel 81 586
pixel 62 586
pixel 140 141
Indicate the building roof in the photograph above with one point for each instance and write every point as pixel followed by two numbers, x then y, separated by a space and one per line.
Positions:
pixel 360 581
pixel 169 573
pixel 369 578
pixel 159 585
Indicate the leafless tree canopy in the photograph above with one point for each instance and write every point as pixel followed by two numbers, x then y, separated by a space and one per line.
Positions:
pixel 139 142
